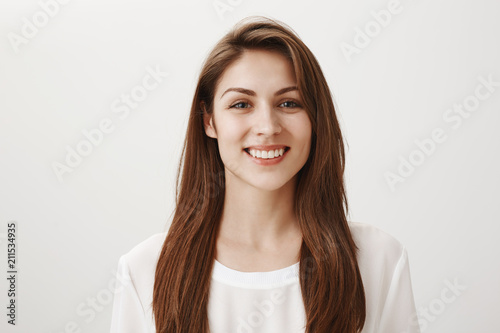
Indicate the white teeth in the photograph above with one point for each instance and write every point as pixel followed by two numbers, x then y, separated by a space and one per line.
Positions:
pixel 266 154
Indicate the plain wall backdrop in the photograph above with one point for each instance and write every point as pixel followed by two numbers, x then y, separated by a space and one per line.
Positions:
pixel 417 89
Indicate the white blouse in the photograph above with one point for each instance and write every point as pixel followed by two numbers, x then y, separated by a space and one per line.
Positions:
pixel 265 302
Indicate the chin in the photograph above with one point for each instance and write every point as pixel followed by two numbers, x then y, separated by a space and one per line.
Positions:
pixel 270 185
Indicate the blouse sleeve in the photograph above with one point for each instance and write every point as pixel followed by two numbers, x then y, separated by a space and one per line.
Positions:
pixel 399 314
pixel 128 315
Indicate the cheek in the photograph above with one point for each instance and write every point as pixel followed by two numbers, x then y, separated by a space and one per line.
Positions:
pixel 301 128
pixel 230 132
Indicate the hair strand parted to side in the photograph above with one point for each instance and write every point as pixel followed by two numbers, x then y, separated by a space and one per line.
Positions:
pixel 330 279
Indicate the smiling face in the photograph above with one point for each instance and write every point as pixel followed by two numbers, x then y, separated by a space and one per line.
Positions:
pixel 256 103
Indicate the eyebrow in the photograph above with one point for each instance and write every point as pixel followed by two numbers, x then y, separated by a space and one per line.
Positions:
pixel 252 93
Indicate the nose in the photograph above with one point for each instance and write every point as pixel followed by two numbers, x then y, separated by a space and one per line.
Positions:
pixel 267 122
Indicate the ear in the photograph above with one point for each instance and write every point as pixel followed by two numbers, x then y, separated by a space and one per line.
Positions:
pixel 208 122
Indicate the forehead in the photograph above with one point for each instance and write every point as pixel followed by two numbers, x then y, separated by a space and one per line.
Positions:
pixel 258 70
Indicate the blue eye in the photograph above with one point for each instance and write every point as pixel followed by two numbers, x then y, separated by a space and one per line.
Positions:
pixel 239 103
pixel 244 105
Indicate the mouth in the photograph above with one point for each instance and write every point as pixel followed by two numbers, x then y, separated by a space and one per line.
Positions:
pixel 247 150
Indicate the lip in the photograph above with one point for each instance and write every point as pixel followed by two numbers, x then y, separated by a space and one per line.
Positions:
pixel 267 147
pixel 272 161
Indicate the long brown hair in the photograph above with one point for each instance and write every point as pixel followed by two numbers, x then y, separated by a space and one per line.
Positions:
pixel 330 279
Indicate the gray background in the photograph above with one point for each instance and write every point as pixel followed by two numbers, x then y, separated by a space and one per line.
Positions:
pixel 394 91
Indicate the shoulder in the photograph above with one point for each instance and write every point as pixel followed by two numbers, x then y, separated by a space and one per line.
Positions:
pixel 139 264
pixel 146 252
pixel 377 250
pixel 142 258
pixel 368 237
pixel 384 267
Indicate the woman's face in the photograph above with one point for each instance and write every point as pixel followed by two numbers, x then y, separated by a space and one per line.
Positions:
pixel 256 103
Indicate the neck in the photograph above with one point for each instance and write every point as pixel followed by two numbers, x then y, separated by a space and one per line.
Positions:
pixel 258 218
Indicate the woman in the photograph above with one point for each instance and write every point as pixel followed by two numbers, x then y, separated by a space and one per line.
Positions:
pixel 259 241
